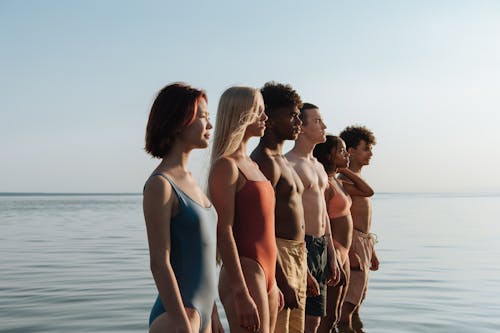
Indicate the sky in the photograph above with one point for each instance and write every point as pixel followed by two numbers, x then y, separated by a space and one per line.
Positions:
pixel 77 79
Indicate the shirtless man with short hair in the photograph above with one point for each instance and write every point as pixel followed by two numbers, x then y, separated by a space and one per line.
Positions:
pixel 282 108
pixel 321 254
pixel 359 141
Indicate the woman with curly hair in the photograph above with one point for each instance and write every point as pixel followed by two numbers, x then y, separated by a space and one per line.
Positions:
pixel 335 158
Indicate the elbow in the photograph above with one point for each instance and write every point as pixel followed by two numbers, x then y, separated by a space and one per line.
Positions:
pixel 156 265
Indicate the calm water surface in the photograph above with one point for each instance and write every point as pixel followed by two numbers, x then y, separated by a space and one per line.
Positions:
pixel 80 263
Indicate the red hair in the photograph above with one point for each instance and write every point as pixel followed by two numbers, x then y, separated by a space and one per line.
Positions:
pixel 174 108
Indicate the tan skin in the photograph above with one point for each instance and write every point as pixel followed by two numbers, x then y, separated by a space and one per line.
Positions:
pixel 315 181
pixel 283 124
pixel 160 204
pixel 242 282
pixel 341 230
pixel 361 211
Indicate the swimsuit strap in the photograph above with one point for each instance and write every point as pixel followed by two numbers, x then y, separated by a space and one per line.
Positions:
pixel 180 193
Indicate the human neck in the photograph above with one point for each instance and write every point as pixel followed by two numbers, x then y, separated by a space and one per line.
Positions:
pixel 272 143
pixel 303 147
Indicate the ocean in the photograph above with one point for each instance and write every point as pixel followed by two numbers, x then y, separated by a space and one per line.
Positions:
pixel 80 263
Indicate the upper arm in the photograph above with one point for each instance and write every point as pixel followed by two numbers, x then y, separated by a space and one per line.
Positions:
pixel 354 190
pixel 222 183
pixel 157 207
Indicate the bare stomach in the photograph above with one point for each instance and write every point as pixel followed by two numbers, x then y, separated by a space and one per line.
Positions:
pixel 289 222
pixel 342 231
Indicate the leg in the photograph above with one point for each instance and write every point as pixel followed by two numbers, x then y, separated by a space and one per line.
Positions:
pixel 333 298
pixel 312 324
pixel 282 321
pixel 256 284
pixel 273 301
pixel 164 322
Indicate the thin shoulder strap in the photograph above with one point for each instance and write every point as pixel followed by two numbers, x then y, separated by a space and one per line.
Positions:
pixel 180 194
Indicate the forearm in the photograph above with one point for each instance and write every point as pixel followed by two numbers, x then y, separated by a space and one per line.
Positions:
pixel 231 260
pixel 329 242
pixel 358 182
pixel 168 289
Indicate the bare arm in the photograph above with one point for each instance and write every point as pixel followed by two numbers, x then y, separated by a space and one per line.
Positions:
pixel 356 186
pixel 222 184
pixel 271 170
pixel 157 206
pixel 332 254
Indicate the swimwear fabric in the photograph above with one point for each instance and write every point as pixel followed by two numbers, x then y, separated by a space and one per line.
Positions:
pixel 294 260
pixel 340 204
pixel 253 228
pixel 360 252
pixel 317 262
pixel 192 256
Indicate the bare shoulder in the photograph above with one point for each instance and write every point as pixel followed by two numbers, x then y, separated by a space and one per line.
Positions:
pixel 267 165
pixel 157 188
pixel 224 168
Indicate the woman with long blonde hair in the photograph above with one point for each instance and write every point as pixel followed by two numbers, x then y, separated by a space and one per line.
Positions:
pixel 244 200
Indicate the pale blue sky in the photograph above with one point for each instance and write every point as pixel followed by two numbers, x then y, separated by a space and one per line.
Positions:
pixel 77 79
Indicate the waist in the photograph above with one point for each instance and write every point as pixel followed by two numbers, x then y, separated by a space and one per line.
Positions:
pixel 315 239
pixel 365 235
pixel 290 243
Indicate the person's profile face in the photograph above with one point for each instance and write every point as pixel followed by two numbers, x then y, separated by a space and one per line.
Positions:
pixel 286 122
pixel 362 154
pixel 197 134
pixel 341 155
pixel 313 126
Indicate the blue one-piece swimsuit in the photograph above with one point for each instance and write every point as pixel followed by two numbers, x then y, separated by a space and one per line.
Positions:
pixel 193 233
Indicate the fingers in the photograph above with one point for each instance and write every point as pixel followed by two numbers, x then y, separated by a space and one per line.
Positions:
pixel 250 321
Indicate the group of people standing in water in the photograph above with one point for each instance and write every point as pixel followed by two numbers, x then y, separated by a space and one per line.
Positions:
pixel 291 231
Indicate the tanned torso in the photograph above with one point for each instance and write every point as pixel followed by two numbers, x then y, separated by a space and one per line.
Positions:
pixel 289 214
pixel 315 182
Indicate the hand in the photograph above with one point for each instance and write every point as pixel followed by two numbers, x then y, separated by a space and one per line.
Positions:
pixel 290 297
pixel 375 262
pixel 247 313
pixel 281 301
pixel 334 276
pixel 312 285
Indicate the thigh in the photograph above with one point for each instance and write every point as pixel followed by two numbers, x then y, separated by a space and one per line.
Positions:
pixel 165 321
pixel 256 284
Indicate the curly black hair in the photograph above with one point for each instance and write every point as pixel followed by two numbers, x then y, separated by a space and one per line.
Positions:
pixel 323 152
pixel 352 135
pixel 278 95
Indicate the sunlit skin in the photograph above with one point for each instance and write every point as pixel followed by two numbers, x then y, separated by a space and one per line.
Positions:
pixel 242 282
pixel 159 204
pixel 315 181
pixel 361 211
pixel 341 230
pixel 283 124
